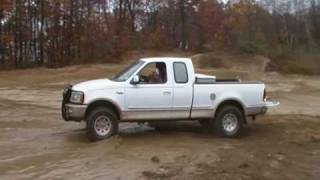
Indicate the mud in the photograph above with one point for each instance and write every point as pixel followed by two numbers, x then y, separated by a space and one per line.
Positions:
pixel 35 143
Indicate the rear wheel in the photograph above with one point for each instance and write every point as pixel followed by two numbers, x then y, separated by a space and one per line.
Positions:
pixel 102 123
pixel 229 121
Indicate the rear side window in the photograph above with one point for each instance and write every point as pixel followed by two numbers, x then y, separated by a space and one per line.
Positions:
pixel 180 72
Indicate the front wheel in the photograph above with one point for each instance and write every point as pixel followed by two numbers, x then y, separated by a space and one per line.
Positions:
pixel 229 121
pixel 101 124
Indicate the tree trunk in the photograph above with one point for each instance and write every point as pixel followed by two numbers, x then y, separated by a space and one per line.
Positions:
pixel 183 24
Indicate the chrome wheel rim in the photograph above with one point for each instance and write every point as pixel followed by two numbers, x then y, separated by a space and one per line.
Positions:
pixel 230 123
pixel 102 125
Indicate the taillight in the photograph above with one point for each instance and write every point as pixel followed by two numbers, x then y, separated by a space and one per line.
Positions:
pixel 264 95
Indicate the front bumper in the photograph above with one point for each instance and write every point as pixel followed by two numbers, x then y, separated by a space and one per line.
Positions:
pixel 260 110
pixel 74 112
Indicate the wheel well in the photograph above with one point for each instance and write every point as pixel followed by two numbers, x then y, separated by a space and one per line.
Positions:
pixel 234 103
pixel 103 103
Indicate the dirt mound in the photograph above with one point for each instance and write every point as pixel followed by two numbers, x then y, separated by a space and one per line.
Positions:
pixel 236 62
pixel 208 60
pixel 296 63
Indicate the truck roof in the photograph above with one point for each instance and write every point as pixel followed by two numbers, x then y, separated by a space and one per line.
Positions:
pixel 152 59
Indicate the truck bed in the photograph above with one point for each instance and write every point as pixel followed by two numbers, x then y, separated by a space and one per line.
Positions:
pixel 209 94
pixel 224 81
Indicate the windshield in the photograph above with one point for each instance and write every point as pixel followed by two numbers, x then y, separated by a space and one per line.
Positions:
pixel 126 73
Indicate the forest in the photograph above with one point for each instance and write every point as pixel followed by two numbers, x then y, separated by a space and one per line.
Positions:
pixel 56 33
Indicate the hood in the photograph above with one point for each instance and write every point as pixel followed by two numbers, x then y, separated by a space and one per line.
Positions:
pixel 96 84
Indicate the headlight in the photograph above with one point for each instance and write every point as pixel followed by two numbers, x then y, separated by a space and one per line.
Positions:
pixel 77 97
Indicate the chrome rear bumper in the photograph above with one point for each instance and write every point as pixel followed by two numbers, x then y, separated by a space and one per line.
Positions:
pixel 262 109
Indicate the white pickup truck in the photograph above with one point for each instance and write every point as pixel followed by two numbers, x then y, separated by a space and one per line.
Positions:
pixel 154 89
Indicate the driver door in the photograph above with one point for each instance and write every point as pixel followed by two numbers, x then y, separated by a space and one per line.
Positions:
pixel 152 97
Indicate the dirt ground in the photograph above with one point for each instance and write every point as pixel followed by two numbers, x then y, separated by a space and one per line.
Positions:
pixel 35 143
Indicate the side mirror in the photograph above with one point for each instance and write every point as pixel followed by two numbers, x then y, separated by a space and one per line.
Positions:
pixel 135 80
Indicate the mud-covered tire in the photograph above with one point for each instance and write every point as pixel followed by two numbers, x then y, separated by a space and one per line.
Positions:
pixel 102 123
pixel 229 121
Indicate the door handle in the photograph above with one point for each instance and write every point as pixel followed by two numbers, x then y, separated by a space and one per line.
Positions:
pixel 166 92
pixel 119 92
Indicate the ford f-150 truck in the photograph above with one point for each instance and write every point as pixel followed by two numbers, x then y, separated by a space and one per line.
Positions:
pixel 154 89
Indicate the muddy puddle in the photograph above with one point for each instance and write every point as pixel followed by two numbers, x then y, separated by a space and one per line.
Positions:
pixel 171 151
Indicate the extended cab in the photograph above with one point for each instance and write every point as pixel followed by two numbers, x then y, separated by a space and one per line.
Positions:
pixel 164 89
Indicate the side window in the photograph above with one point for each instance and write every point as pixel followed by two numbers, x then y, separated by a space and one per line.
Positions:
pixel 153 73
pixel 180 72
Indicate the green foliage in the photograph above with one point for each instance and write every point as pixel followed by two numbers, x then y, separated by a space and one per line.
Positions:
pixel 252 47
